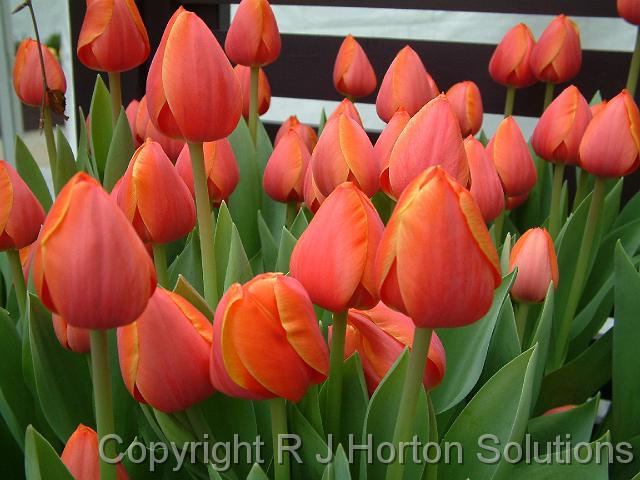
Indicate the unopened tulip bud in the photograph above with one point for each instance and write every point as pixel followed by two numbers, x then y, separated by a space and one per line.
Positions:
pixel 353 75
pixel 384 146
pixel 264 89
pixel 486 188
pixel 629 10
pixel 510 63
pixel 27 73
pixel 349 109
pixel 306 133
pixel 253 38
pixel 557 56
pixel 466 102
pixel 70 337
pixel 535 258
pixel 132 113
pixel 313 198
pixel 597 107
pixel 81 456
pixel 146 129
pixel 286 169
pixel 511 203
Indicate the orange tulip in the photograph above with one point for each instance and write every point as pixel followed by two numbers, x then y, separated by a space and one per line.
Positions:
pixel 201 105
pixel 510 153
pixel 334 257
pixel 344 153
pixel 132 112
pixel 610 146
pixel 81 456
pixel 511 203
pixel 629 10
pixel 286 169
pixel 380 335
pixel 154 197
pixel 220 166
pixel 466 102
pixel 313 198
pixel 146 129
pixel 353 75
pixel 71 338
pixel 535 257
pixel 90 266
pixel 349 109
pixel 510 62
pixel 253 38
pixel 406 84
pixel 279 353
pixel 597 107
pixel 164 354
pixel 27 73
pixel 385 143
pixel 486 188
pixel 432 137
pixel 264 89
pixel 21 214
pixel 436 262
pixel 560 129
pixel 557 57
pixel 112 37
pixel 306 133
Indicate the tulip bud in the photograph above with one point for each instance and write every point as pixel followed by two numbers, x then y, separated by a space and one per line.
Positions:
pixel 380 335
pixel 535 257
pixel 385 143
pixel 71 338
pixel 200 107
pixel 466 102
pixel 432 137
pixel 286 169
pixel 629 10
pixel 90 266
pixel 132 113
pixel 21 214
pixel 220 167
pixel 610 146
pixel 313 198
pixel 441 272
pixel 511 203
pixel 306 133
pixel 164 354
pixel 264 89
pixel 27 73
pixel 113 37
pixel 486 188
pixel 344 153
pixel 560 129
pixel 349 109
pixel 557 57
pixel 406 84
pixel 253 38
pixel 333 259
pixel 564 408
pixel 510 153
pixel 154 197
pixel 279 353
pixel 597 107
pixel 146 129
pixel 510 62
pixel 353 75
pixel 81 456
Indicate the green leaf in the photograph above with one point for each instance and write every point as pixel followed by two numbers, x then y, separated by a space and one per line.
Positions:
pixel 299 225
pixel 309 406
pixel 188 264
pixel 65 164
pixel 31 174
pixel 257 473
pixel 12 455
pixel 322 122
pixel 101 124
pixel 505 344
pixel 41 461
pixel 269 245
pixel 355 400
pixel 184 289
pixel 85 161
pixel 238 267
pixel 287 242
pixel 213 474
pixel 123 404
pixel 231 259
pixel 121 150
pixel 542 338
pixel 338 469
pixel 311 447
pixel 466 349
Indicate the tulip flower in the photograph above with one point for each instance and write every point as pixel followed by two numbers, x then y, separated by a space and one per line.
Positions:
pixel 81 456
pixel 466 102
pixel 132 113
pixel 253 38
pixel 486 188
pixel 221 170
pixel 629 10
pixel 279 353
pixel 349 109
pixel 432 137
pixel 306 133
pixel 406 84
pixel 510 63
pixel 510 154
pixel 146 129
pixel 90 266
pixel 384 146
pixel 511 203
pixel 535 257
pixel 286 169
pixel 344 153
pixel 557 56
pixel 164 354
pixel 353 75
pixel 264 89
pixel 313 198
pixel 597 107
pixel 71 338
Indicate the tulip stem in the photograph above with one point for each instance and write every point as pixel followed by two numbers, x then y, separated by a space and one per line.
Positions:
pixel 278 409
pixel 47 126
pixel 581 190
pixel 579 277
pixel 102 398
pixel 253 104
pixel 334 383
pixel 556 200
pixel 18 280
pixel 508 104
pixel 115 89
pixel 634 67
pixel 160 261
pixel 409 399
pixel 205 225
pixel 521 320
pixel 548 95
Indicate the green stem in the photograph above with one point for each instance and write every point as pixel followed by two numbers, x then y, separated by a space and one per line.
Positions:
pixel 548 95
pixel 102 398
pixel 634 67
pixel 521 320
pixel 253 103
pixel 292 212
pixel 18 279
pixel 205 225
pixel 278 409
pixel 160 261
pixel 409 399
pixel 47 125
pixel 431 470
pixel 334 383
pixel 509 101
pixel 556 200
pixel 581 189
pixel 115 89
pixel 579 277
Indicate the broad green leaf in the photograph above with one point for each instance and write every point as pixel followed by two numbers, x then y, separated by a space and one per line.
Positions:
pixel 100 124
pixel 355 399
pixel 41 462
pixel 311 447
pixel 597 98
pixel 257 473
pixel 174 429
pixel 542 338
pixel 384 205
pixel 121 150
pixel 65 164
pixel 184 289
pixel 238 267
pixel 338 469
pixel 31 174
pixel 85 160
pixel 287 242
pixel 269 245
pixel 123 404
pixel 504 345
pixel 222 244
pixel 188 264
pixel 12 456
pixel 299 225
pixel 322 122
pixel 213 474
pixel 630 212
pixel 309 406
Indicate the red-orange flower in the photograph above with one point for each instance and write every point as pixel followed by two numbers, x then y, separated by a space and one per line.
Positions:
pixel 557 56
pixel 70 337
pixel 253 38
pixel 90 266
pixel 385 143
pixel 132 113
pixel 535 258
pixel 81 456
pixel 441 272
pixel 629 10
pixel 27 73
pixel 466 102
pixel 146 129
pixel 113 37
pixel 511 203
pixel 406 84
pixel 264 89
pixel 286 169
pixel 198 105
pixel 266 340
pixel 510 63
pixel 313 198
pixel 306 133
pixel 597 107
pixel 353 75
pixel 486 188
pixel 347 107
